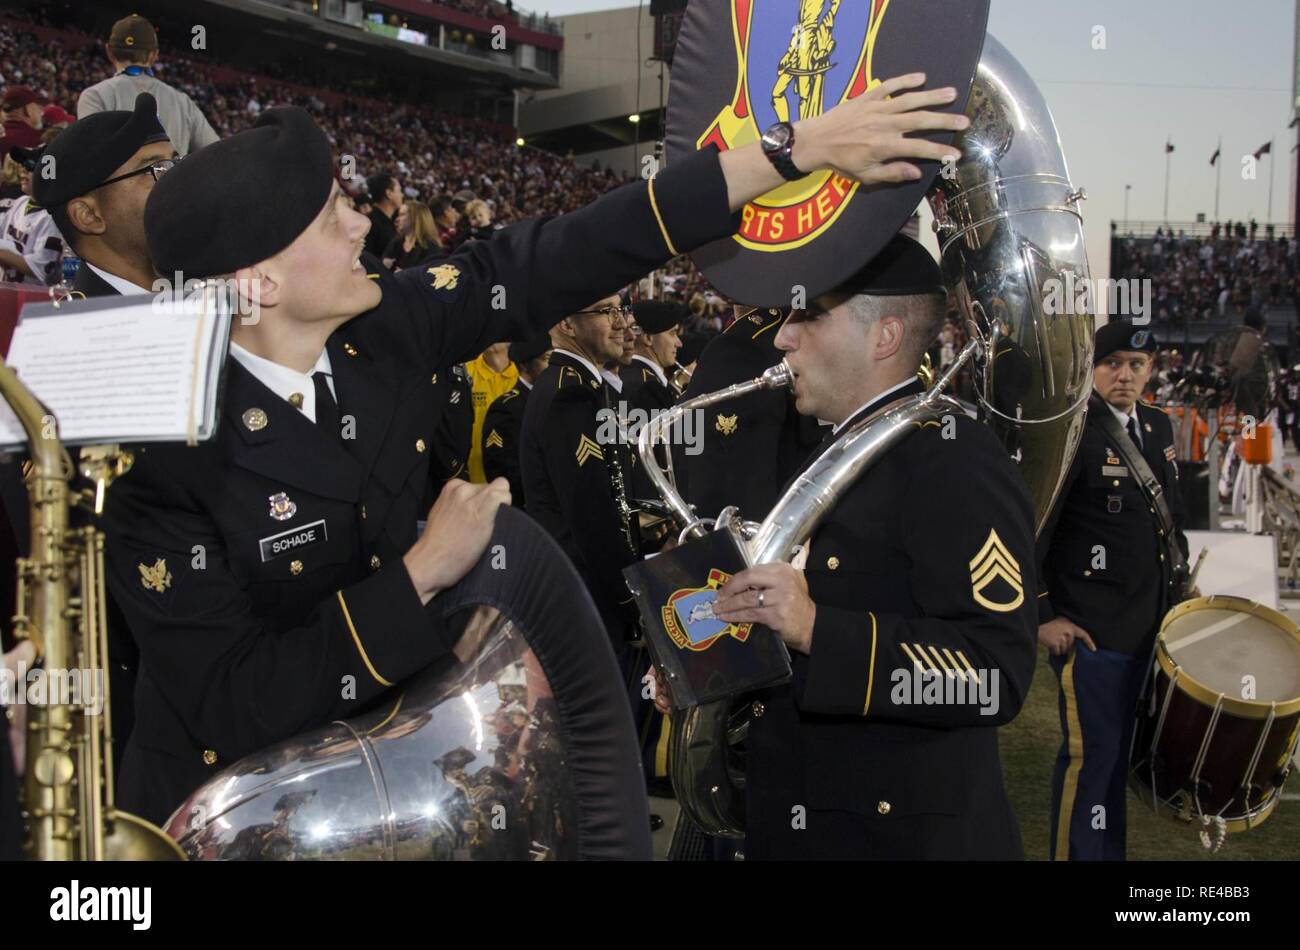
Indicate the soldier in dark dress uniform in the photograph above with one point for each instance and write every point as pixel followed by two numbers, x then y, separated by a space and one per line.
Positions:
pixel 451 439
pixel 272 576
pixel 571 457
pixel 647 386
pixel 910 628
pixel 1105 583
pixel 104 223
pixel 505 417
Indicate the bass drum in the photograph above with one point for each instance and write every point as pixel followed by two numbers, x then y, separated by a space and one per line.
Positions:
pixel 1217 726
pixel 524 750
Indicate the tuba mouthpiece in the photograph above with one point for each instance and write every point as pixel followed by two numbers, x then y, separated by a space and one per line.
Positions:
pixel 777 377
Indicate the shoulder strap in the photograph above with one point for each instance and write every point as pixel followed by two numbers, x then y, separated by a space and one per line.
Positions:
pixel 1146 479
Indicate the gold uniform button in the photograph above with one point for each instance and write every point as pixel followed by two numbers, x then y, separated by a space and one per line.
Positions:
pixel 1116 483
pixel 254 419
pixel 1087 573
pixel 295 568
pixel 833 563
pixel 419 445
pixel 434 380
pixel 374 562
pixel 757 710
pixel 295 400
pixel 209 757
pixel 1162 557
pixel 349 349
pixel 883 808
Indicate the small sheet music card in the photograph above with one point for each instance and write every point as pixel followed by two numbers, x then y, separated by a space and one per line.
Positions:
pixel 143 368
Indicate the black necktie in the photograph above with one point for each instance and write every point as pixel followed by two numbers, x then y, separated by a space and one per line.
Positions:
pixel 327 410
pixel 1133 432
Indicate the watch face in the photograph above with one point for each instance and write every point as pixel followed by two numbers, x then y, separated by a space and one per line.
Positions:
pixel 776 137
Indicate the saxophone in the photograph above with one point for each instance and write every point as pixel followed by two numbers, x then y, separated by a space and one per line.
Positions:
pixel 61 608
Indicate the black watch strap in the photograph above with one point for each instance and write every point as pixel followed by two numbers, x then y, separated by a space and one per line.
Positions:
pixel 782 160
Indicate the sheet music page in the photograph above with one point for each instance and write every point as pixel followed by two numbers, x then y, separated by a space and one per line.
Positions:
pixel 138 371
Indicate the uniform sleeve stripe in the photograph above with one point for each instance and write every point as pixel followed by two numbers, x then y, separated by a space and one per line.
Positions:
pixel 654 206
pixel 871 666
pixel 908 650
pixel 946 668
pixel 357 640
pixel 955 665
pixel 962 657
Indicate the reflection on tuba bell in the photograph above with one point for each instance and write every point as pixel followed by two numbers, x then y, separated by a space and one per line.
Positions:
pixel 1008 226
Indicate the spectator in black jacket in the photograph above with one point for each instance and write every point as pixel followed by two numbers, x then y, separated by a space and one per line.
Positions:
pixel 386 191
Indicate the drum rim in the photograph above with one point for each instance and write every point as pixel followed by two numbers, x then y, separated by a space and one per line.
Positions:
pixel 1242 821
pixel 1246 708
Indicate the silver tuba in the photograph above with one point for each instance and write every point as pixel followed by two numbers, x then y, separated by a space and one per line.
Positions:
pixel 521 749
pixel 1011 249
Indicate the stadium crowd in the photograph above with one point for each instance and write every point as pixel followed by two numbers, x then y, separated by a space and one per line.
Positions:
pixel 1220 275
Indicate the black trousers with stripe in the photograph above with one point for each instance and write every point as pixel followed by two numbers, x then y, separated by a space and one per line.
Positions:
pixel 1097 703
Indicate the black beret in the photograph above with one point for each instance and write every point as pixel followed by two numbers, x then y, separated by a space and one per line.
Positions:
pixel 1122 335
pixel 902 268
pixel 242 199
pixel 655 317
pixel 88 151
pixel 521 351
pixel 28 158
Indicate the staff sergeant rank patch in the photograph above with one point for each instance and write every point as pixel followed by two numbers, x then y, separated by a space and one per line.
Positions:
pixel 994 562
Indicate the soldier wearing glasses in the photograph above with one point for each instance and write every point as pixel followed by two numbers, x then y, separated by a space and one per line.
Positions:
pixel 102 170
pixel 574 473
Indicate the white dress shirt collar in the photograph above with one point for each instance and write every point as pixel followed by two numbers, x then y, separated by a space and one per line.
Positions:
pixel 120 284
pixel 1124 417
pixel 285 382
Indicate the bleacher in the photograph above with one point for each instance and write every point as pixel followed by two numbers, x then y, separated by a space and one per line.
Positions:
pixel 1205 276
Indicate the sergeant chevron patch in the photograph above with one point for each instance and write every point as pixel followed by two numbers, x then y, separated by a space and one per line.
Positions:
pixel 588 449
pixel 992 562
pixel 494 440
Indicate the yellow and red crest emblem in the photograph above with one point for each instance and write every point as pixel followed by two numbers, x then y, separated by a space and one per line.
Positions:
pixel 795 83
pixel 688 616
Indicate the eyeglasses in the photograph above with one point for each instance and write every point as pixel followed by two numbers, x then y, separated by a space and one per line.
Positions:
pixel 157 169
pixel 612 312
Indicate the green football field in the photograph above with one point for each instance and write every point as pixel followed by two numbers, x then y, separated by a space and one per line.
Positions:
pixel 1029 747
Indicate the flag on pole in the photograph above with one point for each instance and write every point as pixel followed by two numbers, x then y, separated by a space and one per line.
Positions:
pixel 1168 147
pixel 1215 157
pixel 1265 149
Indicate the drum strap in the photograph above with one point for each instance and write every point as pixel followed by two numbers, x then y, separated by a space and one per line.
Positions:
pixel 1150 486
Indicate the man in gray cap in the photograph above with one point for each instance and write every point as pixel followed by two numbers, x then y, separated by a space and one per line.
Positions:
pixel 132 48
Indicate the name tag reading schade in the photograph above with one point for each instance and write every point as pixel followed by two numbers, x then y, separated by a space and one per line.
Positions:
pixel 295 539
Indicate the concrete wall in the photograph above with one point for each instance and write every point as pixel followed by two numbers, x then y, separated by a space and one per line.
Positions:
pixel 598 80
